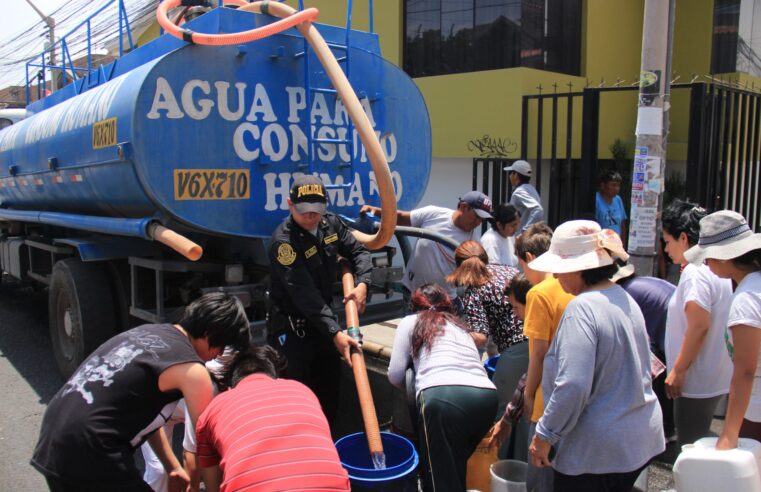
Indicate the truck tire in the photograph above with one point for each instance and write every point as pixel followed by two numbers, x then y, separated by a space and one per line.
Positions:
pixel 81 312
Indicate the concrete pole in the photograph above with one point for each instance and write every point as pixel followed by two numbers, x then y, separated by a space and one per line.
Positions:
pixel 51 34
pixel 652 130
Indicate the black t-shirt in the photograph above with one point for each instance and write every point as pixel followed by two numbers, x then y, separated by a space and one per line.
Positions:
pixel 110 405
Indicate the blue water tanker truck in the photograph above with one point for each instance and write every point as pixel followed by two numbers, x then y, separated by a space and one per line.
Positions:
pixel 201 142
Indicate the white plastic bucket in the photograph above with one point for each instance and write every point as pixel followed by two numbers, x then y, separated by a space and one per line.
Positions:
pixel 701 468
pixel 508 476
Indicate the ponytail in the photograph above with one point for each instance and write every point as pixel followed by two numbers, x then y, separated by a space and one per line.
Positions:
pixel 434 310
pixel 471 271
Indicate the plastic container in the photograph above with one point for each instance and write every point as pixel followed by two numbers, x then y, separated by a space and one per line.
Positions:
pixel 508 476
pixel 479 465
pixel 701 468
pixel 400 473
pixel 491 365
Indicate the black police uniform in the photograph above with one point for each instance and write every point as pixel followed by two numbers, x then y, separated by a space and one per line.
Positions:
pixel 301 322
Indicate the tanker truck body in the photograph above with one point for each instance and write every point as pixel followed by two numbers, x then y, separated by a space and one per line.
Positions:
pixel 204 141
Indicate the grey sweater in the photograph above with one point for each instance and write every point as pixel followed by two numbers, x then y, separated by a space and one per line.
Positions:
pixel 601 414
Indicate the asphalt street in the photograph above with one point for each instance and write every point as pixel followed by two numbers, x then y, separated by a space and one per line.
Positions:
pixel 28 379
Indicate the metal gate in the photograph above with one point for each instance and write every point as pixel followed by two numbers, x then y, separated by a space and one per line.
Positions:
pixel 723 151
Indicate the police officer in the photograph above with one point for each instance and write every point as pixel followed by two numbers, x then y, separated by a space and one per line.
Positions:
pixel 303 254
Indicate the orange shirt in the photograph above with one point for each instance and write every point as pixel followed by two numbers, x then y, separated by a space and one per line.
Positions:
pixel 545 303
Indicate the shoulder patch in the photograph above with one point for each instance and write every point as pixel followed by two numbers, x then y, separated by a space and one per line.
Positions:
pixel 331 239
pixel 310 252
pixel 285 254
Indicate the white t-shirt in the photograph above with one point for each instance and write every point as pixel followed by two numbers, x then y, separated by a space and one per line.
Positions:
pixel 499 249
pixel 711 371
pixel 746 310
pixel 432 262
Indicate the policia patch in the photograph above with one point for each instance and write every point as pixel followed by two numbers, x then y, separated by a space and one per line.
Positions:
pixel 285 254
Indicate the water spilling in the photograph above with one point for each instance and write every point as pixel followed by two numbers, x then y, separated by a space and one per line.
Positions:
pixel 379 460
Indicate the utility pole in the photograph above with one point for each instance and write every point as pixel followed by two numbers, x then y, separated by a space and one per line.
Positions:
pixel 652 130
pixel 51 31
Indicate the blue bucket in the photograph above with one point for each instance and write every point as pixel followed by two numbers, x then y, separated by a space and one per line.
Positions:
pixel 491 365
pixel 401 463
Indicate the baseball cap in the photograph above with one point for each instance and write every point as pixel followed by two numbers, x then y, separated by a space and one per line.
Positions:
pixel 308 195
pixel 479 202
pixel 520 167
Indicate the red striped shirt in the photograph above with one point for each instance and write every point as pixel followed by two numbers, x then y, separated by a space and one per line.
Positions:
pixel 269 435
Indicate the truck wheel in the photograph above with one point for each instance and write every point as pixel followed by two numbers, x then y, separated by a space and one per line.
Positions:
pixel 81 310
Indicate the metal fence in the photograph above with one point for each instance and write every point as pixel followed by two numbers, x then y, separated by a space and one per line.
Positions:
pixel 723 151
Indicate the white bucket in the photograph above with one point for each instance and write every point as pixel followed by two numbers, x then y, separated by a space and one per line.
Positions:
pixel 508 476
pixel 701 468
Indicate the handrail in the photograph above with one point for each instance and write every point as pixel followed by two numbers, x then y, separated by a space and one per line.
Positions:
pixel 63 41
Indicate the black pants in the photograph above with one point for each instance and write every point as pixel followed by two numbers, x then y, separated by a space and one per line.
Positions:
pixel 452 420
pixel 592 482
pixel 314 361
pixel 667 404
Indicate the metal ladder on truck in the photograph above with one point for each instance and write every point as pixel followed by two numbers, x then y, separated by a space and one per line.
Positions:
pixel 309 89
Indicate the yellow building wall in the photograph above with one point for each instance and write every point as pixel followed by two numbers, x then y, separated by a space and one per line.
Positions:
pixel 464 106
pixel 149 34
pixel 387 20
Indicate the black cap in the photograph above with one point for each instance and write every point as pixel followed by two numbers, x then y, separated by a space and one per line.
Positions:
pixel 308 195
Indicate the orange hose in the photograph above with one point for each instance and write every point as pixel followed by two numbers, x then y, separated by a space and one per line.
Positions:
pixel 177 242
pixel 366 403
pixel 231 38
pixel 358 117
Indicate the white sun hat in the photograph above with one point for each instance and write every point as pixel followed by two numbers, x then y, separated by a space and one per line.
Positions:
pixel 580 245
pixel 724 235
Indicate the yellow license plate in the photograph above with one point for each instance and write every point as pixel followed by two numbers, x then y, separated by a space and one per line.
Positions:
pixel 212 184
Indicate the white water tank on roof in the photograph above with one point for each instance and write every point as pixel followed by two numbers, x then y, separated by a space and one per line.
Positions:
pixel 701 468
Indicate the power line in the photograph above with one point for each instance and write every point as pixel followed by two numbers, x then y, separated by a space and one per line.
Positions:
pixel 26 45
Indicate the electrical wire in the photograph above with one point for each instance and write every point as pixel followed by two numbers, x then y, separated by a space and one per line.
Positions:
pixel 26 45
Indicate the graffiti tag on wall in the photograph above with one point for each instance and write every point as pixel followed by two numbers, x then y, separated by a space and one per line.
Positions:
pixel 488 146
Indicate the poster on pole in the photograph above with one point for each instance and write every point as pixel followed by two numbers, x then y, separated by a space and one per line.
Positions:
pixel 649 121
pixel 643 228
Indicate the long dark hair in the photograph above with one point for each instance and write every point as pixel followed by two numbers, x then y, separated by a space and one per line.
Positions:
pixel 434 309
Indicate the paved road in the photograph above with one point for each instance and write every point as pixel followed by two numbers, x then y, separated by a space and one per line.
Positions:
pixel 28 379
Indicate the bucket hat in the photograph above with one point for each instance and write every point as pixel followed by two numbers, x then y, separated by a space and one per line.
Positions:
pixel 520 167
pixel 724 235
pixel 580 245
pixel 308 195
